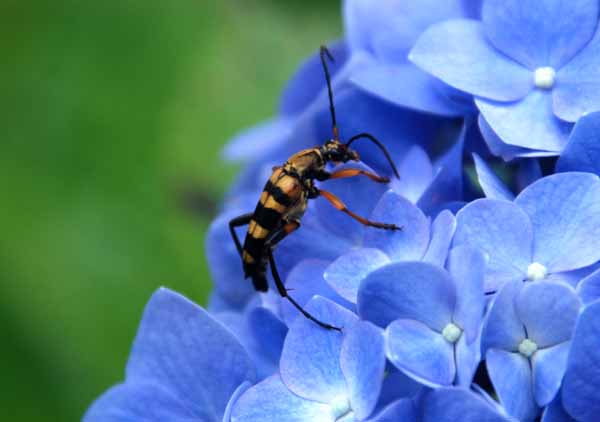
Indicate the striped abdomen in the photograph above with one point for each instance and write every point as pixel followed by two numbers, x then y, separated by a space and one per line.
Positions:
pixel 281 193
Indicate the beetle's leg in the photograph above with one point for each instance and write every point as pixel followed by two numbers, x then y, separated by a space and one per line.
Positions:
pixel 242 220
pixel 346 173
pixel 337 203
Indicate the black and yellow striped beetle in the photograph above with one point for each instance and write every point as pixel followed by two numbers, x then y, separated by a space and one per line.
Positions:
pixel 285 196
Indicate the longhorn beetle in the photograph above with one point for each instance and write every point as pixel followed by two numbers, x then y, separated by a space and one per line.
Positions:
pixel 286 194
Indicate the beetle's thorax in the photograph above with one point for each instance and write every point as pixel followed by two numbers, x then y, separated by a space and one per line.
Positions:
pixel 305 164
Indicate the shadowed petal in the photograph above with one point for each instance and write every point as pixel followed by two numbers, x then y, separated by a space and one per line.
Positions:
pixel 453 404
pixel 589 288
pixel 548 369
pixel 565 212
pixel 408 290
pixel 269 332
pixel 457 52
pixel 555 412
pixel 492 186
pixel 467 358
pixel 420 352
pixel 511 375
pixel 310 361
pixel 582 153
pixel 503 329
pixel 401 410
pixel 442 232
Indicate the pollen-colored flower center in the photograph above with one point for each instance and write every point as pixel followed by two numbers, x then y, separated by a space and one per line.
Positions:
pixel 544 77
pixel 527 348
pixel 536 271
pixel 451 333
pixel 340 407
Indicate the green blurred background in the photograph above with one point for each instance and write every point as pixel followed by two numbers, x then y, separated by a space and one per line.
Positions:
pixel 111 111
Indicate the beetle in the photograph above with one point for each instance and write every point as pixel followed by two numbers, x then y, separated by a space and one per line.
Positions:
pixel 285 196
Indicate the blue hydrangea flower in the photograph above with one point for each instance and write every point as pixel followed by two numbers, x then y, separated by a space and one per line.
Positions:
pixel 432 317
pixel 526 341
pixel 183 365
pixel 551 229
pixel 526 62
pixel 582 153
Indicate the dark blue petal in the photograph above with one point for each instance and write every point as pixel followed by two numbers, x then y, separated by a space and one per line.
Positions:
pixel 528 123
pixel 310 362
pixel 271 401
pixel 582 153
pixel 565 212
pixel 397 385
pixel 268 332
pixel 457 52
pixel 408 290
pixel 453 404
pixel 548 369
pixel 589 288
pixel 503 329
pixel 581 386
pixel 555 412
pixel 442 232
pixel 182 348
pixel 540 34
pixel 467 358
pixel 529 171
pixel 492 186
pixel 362 361
pixel 548 311
pixel 401 410
pixel 512 379
pixel 420 352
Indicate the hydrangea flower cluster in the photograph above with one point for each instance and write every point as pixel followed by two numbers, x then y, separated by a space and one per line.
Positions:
pixel 484 308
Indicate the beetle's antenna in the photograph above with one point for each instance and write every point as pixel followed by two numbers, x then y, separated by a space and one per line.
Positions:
pixel 326 52
pixel 380 145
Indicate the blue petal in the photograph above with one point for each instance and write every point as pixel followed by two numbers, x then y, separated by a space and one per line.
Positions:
pixel 503 329
pixel 582 153
pixel 144 402
pixel 363 361
pixel 397 385
pixel 271 401
pixel 420 352
pixel 345 273
pixel 233 400
pixel 442 232
pixel 548 311
pixel 565 212
pixel 555 412
pixel 310 362
pixel 467 358
pixel 407 244
pixel 178 345
pixel 268 331
pixel 408 290
pixel 259 140
pixel 406 85
pixel 453 404
pixel 501 230
pixel 535 34
pixel 548 369
pixel 529 171
pixel 457 52
pixel 305 281
pixel 416 174
pixel 467 267
pixel 401 410
pixel 492 186
pixel 581 386
pixel 589 288
pixel 575 94
pixel 511 376
pixel 528 123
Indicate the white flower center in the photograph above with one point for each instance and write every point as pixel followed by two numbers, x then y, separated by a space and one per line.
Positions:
pixel 527 348
pixel 536 271
pixel 544 77
pixel 340 407
pixel 451 333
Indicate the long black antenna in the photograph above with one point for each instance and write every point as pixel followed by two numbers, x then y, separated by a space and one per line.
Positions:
pixel 326 52
pixel 380 145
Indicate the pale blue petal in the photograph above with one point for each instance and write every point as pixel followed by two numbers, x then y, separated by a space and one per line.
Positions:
pixel 362 361
pixel 565 212
pixel 467 267
pixel 538 33
pixel 442 232
pixel 457 52
pixel 408 290
pixel 453 404
pixel 502 231
pixel 579 83
pixel 401 410
pixel 581 386
pixel 233 400
pixel 420 352
pixel 512 379
pixel 467 358
pixel 548 310
pixel 259 140
pixel 589 288
pixel 503 329
pixel 345 273
pixel 548 369
pixel 555 412
pixel 407 244
pixel 178 344
pixel 271 401
pixel 528 123
pixel 310 361
pixel 490 183
pixel 416 174
pixel 582 153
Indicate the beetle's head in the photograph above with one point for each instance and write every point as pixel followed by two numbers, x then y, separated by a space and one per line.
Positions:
pixel 337 152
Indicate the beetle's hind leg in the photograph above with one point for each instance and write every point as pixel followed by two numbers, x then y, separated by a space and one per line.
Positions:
pixel 242 220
